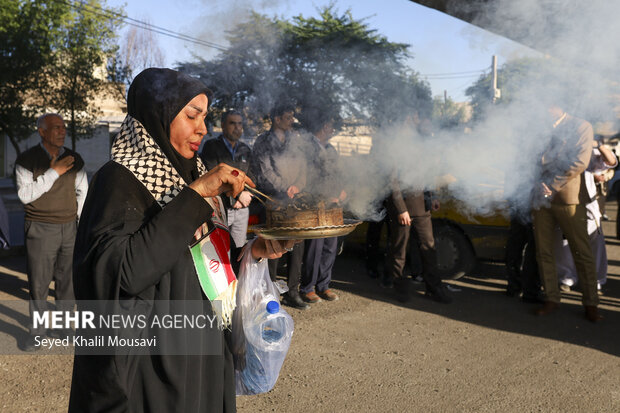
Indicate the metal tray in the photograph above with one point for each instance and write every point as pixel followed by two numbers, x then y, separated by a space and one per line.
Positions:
pixel 281 233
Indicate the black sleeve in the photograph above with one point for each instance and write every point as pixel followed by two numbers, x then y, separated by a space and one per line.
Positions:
pixel 209 154
pixel 261 168
pixel 125 243
pixel 152 250
pixel 249 172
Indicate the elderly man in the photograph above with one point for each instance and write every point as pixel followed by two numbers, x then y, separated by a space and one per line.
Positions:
pixel 228 149
pixel 563 164
pixel 52 185
pixel 280 170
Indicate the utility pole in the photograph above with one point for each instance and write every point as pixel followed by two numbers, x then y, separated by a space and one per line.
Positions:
pixel 495 92
pixel 445 96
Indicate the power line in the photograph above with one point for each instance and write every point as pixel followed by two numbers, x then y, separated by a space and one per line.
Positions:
pixel 143 25
pixel 459 88
pixel 456 73
pixel 452 77
pixel 180 36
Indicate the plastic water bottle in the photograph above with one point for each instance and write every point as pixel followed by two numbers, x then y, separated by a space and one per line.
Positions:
pixel 268 337
pixel 271 326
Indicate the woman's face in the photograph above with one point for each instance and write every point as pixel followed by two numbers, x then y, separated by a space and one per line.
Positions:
pixel 188 127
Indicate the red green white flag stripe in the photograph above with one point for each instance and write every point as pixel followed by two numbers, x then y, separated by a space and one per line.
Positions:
pixel 211 257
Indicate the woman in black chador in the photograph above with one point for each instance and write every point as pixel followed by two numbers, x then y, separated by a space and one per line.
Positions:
pixel 143 209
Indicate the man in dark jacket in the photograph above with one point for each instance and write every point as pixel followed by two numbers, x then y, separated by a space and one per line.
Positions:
pixel 323 182
pixel 227 148
pixel 407 209
pixel 280 170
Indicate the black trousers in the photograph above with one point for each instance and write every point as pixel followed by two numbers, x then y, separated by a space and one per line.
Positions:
pixel 521 266
pixel 374 254
pixel 49 250
pixel 294 261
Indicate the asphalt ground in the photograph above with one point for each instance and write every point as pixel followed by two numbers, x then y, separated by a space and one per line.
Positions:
pixel 366 352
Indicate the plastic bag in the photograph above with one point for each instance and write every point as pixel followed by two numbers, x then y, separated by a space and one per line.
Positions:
pixel 262 330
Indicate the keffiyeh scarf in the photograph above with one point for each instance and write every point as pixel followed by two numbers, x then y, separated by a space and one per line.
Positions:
pixel 137 151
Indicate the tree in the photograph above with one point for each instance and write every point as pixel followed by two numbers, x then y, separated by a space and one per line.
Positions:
pixel 140 50
pixel 513 77
pixel 53 56
pixel 536 83
pixel 333 61
pixel 27 30
pixel 78 73
pixel 447 114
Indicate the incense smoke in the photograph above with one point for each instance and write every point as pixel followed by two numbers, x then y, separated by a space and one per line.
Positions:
pixel 494 165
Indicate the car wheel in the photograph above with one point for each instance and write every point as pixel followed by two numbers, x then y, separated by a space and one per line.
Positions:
pixel 455 256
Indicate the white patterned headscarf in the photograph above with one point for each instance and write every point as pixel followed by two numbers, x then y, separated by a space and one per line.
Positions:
pixel 137 151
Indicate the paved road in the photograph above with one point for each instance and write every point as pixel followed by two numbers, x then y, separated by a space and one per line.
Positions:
pixel 368 353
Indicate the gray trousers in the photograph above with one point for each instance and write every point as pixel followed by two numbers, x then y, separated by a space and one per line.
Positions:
pixel 49 250
pixel 238 225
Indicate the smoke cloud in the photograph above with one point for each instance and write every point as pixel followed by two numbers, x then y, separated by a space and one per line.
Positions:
pixel 496 164
pixel 224 15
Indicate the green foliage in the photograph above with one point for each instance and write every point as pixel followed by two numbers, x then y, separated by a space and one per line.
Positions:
pixel 447 114
pixel 543 81
pixel 27 31
pixel 512 78
pixel 78 73
pixel 332 61
pixel 53 56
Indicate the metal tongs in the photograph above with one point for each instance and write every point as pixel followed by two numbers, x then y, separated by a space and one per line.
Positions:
pixel 258 194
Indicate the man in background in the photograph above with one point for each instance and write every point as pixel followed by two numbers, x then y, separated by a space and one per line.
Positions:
pixel 52 185
pixel 565 196
pixel 323 182
pixel 227 148
pixel 280 172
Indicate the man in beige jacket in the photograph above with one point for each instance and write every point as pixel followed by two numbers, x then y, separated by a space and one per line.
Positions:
pixel 563 164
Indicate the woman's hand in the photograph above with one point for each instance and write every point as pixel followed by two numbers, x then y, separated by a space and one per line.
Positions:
pixel 222 178
pixel 271 249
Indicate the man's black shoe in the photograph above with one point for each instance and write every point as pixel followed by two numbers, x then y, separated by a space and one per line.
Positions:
pixel 401 289
pixel 512 290
pixel 386 282
pixel 60 333
pixel 532 299
pixel 372 273
pixel 402 296
pixel 439 294
pixel 295 301
pixel 30 344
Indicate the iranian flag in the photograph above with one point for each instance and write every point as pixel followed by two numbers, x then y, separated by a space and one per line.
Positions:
pixel 211 257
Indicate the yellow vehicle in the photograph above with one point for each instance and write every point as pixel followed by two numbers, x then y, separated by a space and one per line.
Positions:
pixel 462 238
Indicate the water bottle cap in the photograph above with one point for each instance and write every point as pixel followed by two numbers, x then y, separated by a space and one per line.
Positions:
pixel 273 307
